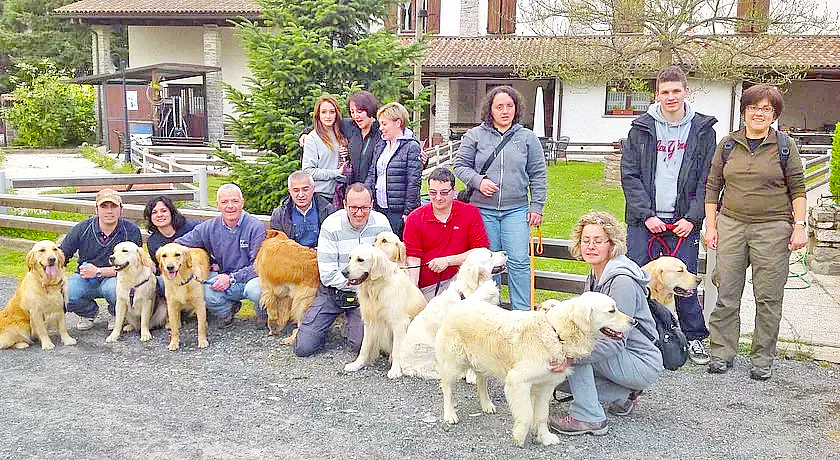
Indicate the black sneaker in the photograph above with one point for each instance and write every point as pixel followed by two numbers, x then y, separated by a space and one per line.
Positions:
pixel 235 307
pixel 719 366
pixel 224 322
pixel 760 373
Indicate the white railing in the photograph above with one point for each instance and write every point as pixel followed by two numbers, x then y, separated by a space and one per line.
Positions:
pixel 441 155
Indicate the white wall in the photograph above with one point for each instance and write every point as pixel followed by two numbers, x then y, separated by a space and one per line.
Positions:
pixel 583 119
pixel 185 45
pixel 450 18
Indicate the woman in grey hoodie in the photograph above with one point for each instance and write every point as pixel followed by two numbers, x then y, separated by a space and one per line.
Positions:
pixel 617 370
pixel 502 192
pixel 325 148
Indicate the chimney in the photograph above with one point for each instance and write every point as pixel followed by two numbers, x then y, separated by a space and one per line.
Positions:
pixel 753 16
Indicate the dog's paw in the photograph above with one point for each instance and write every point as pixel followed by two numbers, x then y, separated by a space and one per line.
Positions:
pixel 21 345
pixel 274 328
pixel 353 367
pixel 128 328
pixel 395 373
pixel 145 336
pixel 173 346
pixel 203 343
pixel 47 345
pixel 290 340
pixel 450 418
pixel 548 439
pixel 112 337
pixel 68 341
pixel 490 408
pixel 519 442
pixel 470 377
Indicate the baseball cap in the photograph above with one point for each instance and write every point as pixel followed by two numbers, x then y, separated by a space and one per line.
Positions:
pixel 106 195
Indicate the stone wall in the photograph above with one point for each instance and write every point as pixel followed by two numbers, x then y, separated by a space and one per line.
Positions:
pixel 612 169
pixel 824 239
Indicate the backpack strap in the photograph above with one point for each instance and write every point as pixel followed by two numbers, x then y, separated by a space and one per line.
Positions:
pixel 636 323
pixel 727 149
pixel 784 148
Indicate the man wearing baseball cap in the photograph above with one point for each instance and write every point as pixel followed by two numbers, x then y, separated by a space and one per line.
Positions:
pixel 94 239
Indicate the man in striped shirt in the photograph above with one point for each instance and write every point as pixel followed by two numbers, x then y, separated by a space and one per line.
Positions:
pixel 342 231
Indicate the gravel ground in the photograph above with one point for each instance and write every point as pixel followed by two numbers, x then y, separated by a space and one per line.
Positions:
pixel 247 396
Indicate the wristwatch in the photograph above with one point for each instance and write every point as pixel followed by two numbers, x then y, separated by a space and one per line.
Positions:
pixel 232 279
pixel 99 273
pixel 799 222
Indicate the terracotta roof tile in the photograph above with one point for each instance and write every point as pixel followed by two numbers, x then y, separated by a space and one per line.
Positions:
pixel 94 8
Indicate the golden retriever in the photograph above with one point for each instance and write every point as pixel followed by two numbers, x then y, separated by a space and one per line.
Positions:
pixel 183 271
pixel 388 300
pixel 517 347
pixel 289 281
pixel 137 302
pixel 391 245
pixel 38 303
pixel 474 275
pixel 669 277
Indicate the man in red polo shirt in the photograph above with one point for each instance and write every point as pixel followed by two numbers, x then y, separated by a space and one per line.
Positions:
pixel 440 234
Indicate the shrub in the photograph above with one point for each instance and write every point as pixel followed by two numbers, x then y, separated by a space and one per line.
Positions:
pixel 49 113
pixel 834 180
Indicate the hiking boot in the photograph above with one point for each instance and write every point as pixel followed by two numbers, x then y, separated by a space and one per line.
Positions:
pixel 719 366
pixel 235 307
pixel 697 352
pixel 568 425
pixel 85 323
pixel 625 408
pixel 760 373
pixel 224 322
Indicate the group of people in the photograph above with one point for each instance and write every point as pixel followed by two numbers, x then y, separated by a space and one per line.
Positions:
pixel 361 176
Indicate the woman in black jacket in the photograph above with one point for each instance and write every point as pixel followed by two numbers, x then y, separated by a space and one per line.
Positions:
pixel 394 174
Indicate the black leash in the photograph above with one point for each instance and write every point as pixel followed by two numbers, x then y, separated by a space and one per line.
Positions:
pixel 132 291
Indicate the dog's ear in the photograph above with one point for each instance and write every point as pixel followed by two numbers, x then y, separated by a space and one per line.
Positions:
pixel 403 256
pixel 145 258
pixel 581 316
pixel 378 264
pixel 472 276
pixel 31 262
pixel 159 253
pixel 59 254
pixel 188 262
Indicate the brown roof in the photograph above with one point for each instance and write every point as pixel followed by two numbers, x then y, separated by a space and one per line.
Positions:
pixel 154 8
pixel 509 53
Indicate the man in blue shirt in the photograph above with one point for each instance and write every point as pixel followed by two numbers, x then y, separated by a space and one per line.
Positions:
pixel 94 239
pixel 301 213
pixel 232 239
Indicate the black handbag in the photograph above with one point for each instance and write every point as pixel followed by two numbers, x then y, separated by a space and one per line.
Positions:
pixel 464 195
pixel 345 299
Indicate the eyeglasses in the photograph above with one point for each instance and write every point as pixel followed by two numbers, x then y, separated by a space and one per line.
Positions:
pixel 439 192
pixel 755 108
pixel 595 242
pixel 358 209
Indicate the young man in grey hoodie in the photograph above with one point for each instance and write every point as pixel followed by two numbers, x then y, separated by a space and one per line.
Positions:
pixel 664 164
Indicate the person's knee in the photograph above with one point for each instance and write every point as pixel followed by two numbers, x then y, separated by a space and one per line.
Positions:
pixel 253 291
pixel 217 304
pixel 306 343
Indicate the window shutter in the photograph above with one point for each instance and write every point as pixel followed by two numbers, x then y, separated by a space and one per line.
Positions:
pixel 508 17
pixel 494 12
pixel 433 9
pixel 391 17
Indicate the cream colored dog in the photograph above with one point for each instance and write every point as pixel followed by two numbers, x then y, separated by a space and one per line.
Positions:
pixel 517 347
pixel 474 276
pixel 669 277
pixel 38 302
pixel 183 271
pixel 137 303
pixel 388 300
pixel 391 245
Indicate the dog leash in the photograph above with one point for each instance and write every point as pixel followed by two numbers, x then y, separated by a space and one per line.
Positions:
pixel 192 277
pixel 657 238
pixel 535 247
pixel 132 291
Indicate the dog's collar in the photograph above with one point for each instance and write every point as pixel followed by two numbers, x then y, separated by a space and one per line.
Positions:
pixel 556 333
pixel 133 290
pixel 461 294
pixel 192 277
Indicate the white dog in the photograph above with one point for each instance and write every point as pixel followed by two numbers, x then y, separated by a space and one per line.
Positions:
pixel 388 300
pixel 474 276
pixel 517 347
pixel 136 292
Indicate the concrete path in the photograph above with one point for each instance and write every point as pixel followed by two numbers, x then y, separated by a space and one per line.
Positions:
pixel 47 163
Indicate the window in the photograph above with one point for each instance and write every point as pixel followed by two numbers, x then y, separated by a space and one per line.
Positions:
pixel 404 14
pixel 629 97
pixel 501 16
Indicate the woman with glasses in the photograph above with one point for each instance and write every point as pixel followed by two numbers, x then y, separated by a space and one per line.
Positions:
pixel 617 370
pixel 502 192
pixel 758 177
pixel 394 174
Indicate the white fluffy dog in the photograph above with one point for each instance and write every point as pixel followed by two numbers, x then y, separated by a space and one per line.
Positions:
pixel 388 300
pixel 474 276
pixel 517 347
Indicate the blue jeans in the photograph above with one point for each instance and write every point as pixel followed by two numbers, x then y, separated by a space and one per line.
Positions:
pixel 312 331
pixel 609 380
pixel 509 231
pixel 689 310
pixel 81 292
pixel 220 304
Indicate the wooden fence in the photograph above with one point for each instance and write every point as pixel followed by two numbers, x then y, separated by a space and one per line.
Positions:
pixel 820 175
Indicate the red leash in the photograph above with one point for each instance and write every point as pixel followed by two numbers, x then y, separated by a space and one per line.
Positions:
pixel 666 249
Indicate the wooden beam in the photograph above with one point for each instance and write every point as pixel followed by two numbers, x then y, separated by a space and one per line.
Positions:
pixel 105 179
pixel 136 197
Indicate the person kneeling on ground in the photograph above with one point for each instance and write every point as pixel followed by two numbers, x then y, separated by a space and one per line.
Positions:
pixel 617 370
pixel 342 231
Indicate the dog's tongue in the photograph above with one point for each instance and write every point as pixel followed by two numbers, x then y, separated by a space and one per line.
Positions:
pixel 171 275
pixel 51 270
